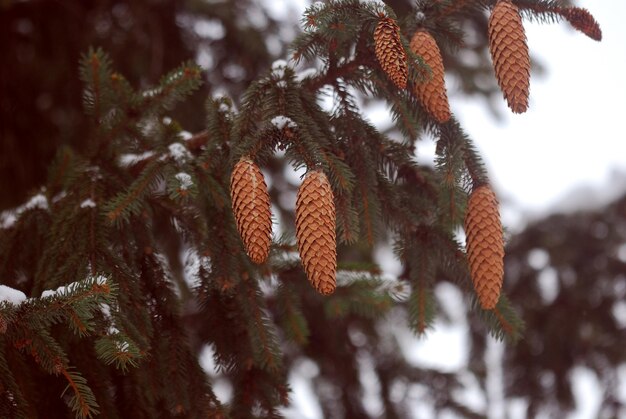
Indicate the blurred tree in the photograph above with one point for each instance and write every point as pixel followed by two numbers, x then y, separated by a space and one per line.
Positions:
pixel 41 43
pixel 135 230
pixel 567 273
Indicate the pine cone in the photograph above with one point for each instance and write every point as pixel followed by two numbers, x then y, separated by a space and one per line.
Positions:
pixel 582 20
pixel 432 93
pixel 485 245
pixel 251 206
pixel 390 52
pixel 509 52
pixel 315 231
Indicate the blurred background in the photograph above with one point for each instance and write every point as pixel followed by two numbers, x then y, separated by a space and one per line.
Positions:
pixel 559 169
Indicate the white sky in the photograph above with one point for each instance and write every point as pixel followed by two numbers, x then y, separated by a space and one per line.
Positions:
pixel 571 135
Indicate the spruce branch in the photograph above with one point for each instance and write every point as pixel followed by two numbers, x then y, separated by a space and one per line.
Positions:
pixel 128 203
pixel 82 402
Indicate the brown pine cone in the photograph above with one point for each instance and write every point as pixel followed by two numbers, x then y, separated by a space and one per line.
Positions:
pixel 509 52
pixel 485 245
pixel 582 20
pixel 315 231
pixel 251 206
pixel 390 52
pixel 432 92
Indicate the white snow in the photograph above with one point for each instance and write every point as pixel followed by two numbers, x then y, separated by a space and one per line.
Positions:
pixel 317 5
pixel 106 310
pixel 278 68
pixel 179 153
pixel 58 197
pixel 64 289
pixel 122 346
pixel 88 203
pixel 11 295
pixel 281 121
pixel 282 84
pixel 130 159
pixel 185 180
pixel 278 64
pixel 306 73
pixel 223 108
pixel 185 135
pixel 9 218
pixel 37 201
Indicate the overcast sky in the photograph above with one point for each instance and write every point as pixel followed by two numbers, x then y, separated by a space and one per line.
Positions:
pixel 572 134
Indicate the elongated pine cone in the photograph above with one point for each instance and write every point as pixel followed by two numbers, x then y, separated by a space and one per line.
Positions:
pixel 509 52
pixel 390 52
pixel 251 206
pixel 485 245
pixel 315 231
pixel 582 20
pixel 432 93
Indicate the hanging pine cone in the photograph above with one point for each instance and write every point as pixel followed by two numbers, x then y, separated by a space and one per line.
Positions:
pixel 432 92
pixel 251 206
pixel 485 245
pixel 315 231
pixel 390 52
pixel 582 20
pixel 509 52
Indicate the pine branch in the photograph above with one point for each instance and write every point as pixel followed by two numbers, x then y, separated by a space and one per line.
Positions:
pixel 83 402
pixel 121 207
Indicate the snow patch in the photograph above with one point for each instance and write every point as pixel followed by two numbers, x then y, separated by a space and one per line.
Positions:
pixel 88 203
pixel 62 290
pixel 179 153
pixel 11 295
pixel 65 289
pixel 192 264
pixel 185 180
pixel 185 135
pixel 305 74
pixel 106 310
pixel 9 218
pixel 130 159
pixel 278 68
pixel 37 201
pixel 282 121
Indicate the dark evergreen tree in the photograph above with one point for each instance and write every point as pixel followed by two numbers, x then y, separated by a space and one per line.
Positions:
pixel 132 259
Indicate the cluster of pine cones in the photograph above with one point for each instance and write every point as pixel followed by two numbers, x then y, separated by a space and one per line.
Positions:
pixel 315 221
pixel 510 56
pixel 315 209
pixel 507 43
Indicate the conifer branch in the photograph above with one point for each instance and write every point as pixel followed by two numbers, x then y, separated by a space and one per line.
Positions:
pixel 83 402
